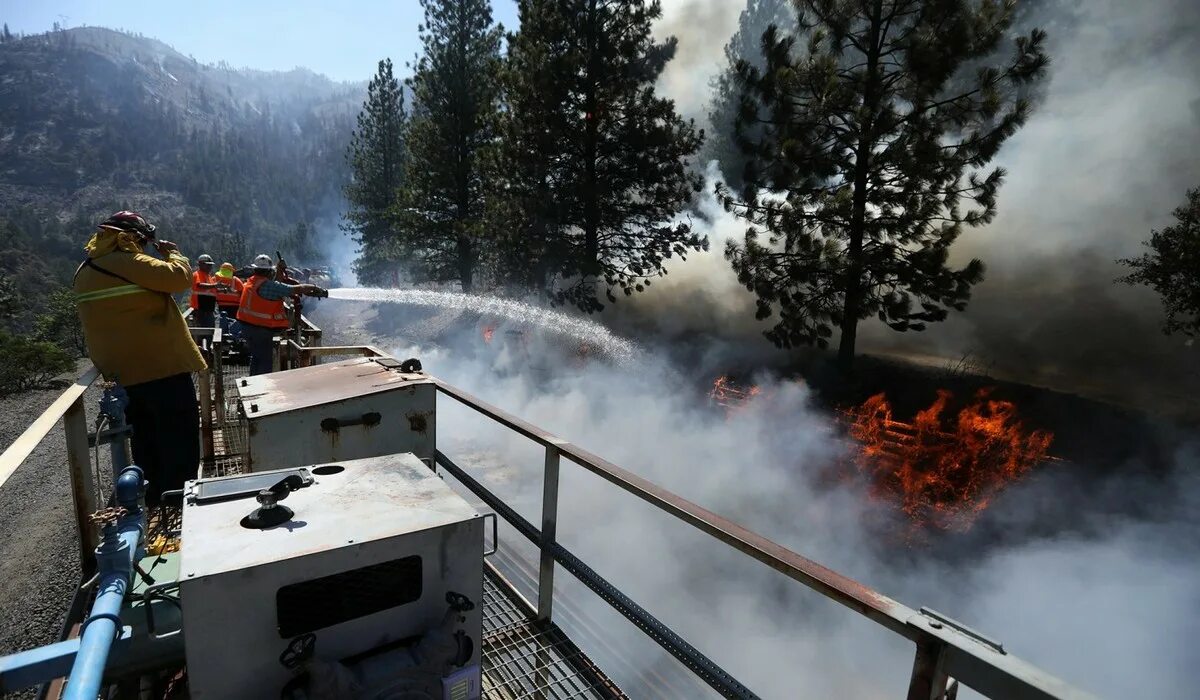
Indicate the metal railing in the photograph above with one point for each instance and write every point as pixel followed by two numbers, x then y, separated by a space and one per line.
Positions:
pixel 947 652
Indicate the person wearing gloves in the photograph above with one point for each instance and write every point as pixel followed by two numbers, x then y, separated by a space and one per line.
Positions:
pixel 262 314
pixel 136 335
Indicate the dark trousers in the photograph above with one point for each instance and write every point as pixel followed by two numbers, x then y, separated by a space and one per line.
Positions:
pixel 205 313
pixel 204 318
pixel 260 345
pixel 165 416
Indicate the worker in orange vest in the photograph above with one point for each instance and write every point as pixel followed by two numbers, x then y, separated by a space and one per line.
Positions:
pixel 204 293
pixel 262 314
pixel 229 290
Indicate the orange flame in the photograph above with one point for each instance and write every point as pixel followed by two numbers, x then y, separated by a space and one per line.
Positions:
pixel 488 332
pixel 944 476
pixel 730 395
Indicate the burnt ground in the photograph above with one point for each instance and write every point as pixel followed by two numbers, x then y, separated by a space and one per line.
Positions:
pixel 1112 462
pixel 1105 436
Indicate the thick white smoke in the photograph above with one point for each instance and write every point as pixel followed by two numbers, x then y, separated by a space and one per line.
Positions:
pixel 1105 158
pixel 1106 602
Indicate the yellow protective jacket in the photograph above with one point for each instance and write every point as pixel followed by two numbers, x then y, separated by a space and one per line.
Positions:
pixel 134 330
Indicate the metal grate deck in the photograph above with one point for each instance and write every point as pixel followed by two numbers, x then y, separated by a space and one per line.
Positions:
pixel 527 658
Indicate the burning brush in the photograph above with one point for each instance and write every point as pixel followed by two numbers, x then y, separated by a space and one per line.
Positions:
pixel 730 395
pixel 944 472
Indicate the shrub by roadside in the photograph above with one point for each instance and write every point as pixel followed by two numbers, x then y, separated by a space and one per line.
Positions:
pixel 26 363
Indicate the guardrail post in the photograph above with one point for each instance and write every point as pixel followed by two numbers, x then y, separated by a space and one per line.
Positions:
pixel 929 678
pixel 549 525
pixel 83 483
pixel 206 416
pixel 218 372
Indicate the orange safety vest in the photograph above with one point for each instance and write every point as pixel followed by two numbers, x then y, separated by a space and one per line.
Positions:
pixel 230 298
pixel 198 278
pixel 257 311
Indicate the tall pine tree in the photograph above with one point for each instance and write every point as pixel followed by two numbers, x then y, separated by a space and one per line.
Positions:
pixel 744 45
pixel 455 91
pixel 526 165
pixel 586 132
pixel 376 155
pixel 877 129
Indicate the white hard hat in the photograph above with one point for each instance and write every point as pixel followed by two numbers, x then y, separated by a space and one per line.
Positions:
pixel 263 262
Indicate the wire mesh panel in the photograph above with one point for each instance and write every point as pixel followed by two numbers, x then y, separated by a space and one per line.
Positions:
pixel 525 658
pixel 229 437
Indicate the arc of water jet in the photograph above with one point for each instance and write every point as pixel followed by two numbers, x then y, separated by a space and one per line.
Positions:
pixel 584 330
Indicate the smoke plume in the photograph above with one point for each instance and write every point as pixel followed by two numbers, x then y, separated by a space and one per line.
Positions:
pixel 1109 153
pixel 1093 579
pixel 1105 602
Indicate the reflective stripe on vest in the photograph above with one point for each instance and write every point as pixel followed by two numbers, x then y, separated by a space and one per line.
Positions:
pixel 109 293
pixel 258 311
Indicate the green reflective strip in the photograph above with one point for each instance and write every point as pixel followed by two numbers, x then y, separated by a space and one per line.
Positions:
pixel 109 293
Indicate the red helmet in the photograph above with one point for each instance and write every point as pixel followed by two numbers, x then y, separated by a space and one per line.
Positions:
pixel 130 221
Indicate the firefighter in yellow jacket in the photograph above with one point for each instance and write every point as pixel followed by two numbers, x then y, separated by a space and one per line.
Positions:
pixel 137 336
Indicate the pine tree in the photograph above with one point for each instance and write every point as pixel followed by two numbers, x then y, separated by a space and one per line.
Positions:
pixel 587 136
pixel 300 246
pixel 744 45
pixel 523 211
pixel 454 86
pixel 376 156
pixel 1172 268
pixel 6 35
pixel 878 129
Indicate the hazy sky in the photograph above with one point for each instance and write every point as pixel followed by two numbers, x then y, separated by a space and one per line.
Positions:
pixel 343 40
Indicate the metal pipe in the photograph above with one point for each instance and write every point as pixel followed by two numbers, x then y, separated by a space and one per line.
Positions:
pixel 113 405
pixel 116 555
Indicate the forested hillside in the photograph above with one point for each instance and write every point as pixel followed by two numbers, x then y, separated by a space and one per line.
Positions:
pixel 228 161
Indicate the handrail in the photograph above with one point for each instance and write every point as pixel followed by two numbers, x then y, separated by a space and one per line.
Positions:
pixel 23 446
pixel 945 649
pixel 847 591
pixel 320 350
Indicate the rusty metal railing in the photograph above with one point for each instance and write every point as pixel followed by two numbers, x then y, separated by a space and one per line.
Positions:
pixel 947 652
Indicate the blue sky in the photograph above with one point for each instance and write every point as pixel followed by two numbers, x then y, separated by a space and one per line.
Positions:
pixel 343 40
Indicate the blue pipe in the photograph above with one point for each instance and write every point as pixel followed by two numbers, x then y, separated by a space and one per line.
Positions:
pixel 113 405
pixel 119 550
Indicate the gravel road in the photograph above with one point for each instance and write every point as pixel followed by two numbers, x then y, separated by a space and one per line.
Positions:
pixel 39 562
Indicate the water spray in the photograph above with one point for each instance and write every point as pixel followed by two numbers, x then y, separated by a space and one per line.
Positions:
pixel 594 334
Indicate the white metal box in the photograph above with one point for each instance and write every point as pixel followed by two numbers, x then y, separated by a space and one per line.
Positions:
pixel 383 535
pixel 333 412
